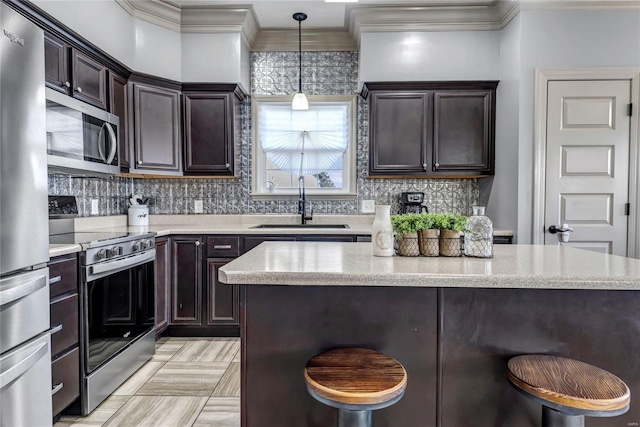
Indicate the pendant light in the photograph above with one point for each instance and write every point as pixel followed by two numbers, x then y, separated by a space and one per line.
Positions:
pixel 299 99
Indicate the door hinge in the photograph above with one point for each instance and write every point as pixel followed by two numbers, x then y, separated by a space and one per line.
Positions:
pixel 630 109
pixel 627 209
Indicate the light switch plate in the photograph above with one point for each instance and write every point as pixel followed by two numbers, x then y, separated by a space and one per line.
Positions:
pixel 197 206
pixel 368 206
pixel 94 207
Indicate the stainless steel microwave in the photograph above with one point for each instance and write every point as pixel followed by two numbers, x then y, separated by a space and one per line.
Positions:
pixel 81 139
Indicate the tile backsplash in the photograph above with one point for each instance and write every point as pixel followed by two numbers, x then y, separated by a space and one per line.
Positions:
pixel 272 73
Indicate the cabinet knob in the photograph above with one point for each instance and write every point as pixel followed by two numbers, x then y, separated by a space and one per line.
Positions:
pixel 79 89
pixel 424 166
pixel 139 162
pixel 197 243
pixel 67 84
pixel 437 165
pixel 227 165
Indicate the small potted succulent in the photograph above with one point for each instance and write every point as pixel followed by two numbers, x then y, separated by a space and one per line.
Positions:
pixel 451 227
pixel 428 235
pixel 405 227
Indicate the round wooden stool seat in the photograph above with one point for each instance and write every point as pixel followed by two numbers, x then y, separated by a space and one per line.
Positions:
pixel 569 385
pixel 355 376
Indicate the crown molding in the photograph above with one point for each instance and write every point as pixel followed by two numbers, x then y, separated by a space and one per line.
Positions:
pixel 439 16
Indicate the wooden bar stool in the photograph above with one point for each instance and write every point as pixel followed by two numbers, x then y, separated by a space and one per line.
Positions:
pixel 568 389
pixel 356 381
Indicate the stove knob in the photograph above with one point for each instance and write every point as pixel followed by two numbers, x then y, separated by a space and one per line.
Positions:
pixel 148 244
pixel 114 251
pixel 101 254
pixel 137 246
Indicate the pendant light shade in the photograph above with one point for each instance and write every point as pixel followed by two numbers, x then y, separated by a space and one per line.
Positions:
pixel 300 101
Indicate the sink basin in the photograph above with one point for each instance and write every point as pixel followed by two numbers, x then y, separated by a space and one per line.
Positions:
pixel 301 226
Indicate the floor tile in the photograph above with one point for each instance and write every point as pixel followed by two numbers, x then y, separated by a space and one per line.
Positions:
pixel 185 379
pixel 98 417
pixel 236 358
pixel 220 350
pixel 138 379
pixel 229 384
pixel 220 412
pixel 166 351
pixel 154 411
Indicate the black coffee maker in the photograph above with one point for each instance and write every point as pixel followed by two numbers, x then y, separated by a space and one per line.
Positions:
pixel 413 202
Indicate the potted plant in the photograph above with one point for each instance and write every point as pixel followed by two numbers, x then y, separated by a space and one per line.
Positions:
pixel 428 235
pixel 451 227
pixel 405 227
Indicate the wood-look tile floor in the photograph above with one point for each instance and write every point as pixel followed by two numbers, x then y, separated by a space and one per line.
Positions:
pixel 188 382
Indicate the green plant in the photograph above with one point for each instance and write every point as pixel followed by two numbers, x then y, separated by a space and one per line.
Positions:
pixel 426 221
pixel 456 222
pixel 405 224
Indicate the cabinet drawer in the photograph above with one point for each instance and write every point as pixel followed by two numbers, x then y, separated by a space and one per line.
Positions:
pixel 223 247
pixel 65 371
pixel 63 275
pixel 64 312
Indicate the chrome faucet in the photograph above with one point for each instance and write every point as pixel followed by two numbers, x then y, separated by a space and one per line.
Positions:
pixel 302 203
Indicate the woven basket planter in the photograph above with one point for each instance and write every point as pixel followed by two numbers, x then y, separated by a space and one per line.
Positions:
pixel 429 242
pixel 450 243
pixel 408 245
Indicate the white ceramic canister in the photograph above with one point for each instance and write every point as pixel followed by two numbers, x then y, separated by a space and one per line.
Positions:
pixel 382 232
pixel 138 215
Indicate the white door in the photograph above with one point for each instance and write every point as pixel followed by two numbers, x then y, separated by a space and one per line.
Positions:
pixel 587 163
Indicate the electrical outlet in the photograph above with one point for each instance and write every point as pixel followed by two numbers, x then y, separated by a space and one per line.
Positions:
pixel 197 206
pixel 94 207
pixel 368 206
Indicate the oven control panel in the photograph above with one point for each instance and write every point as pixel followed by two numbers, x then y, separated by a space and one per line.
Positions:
pixel 120 249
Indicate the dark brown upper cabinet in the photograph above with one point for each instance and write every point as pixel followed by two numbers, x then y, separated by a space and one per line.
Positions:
pixel 211 131
pixel 156 132
pixel 72 72
pixel 118 105
pixel 431 129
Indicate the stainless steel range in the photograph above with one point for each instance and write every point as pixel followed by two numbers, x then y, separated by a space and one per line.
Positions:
pixel 117 309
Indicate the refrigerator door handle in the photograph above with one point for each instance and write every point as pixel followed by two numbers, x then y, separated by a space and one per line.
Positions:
pixel 24 365
pixel 21 291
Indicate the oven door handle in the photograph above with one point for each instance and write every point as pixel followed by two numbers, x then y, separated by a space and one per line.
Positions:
pixel 114 266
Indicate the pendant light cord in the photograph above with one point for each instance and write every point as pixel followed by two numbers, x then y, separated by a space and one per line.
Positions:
pixel 300 56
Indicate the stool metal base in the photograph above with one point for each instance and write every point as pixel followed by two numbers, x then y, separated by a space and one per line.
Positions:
pixel 348 418
pixel 553 418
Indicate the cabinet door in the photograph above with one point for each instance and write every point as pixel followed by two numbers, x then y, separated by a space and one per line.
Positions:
pixel 162 282
pixel 118 106
pixel 222 300
pixel 463 131
pixel 208 133
pixel 186 280
pixel 399 132
pixel 89 80
pixel 156 128
pixel 56 64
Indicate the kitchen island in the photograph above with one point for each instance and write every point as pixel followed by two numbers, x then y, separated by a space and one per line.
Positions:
pixel 452 322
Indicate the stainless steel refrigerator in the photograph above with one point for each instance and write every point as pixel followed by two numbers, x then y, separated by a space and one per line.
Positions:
pixel 25 343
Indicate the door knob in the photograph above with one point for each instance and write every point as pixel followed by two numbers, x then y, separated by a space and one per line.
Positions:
pixel 563 233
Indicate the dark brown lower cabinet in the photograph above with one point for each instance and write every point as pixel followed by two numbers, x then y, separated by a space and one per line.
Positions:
pixel 65 377
pixel 162 281
pixel 186 280
pixel 222 300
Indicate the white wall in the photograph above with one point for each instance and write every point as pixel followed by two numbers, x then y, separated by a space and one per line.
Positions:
pixel 245 66
pixel 157 50
pixel 460 55
pixel 565 39
pixel 211 58
pixel 103 22
pixel 500 192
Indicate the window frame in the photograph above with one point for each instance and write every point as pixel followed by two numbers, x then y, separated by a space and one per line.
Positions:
pixel 258 162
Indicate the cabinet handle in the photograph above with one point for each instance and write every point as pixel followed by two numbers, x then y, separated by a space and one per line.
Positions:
pixel 437 165
pixel 79 89
pixel 56 329
pixel 56 388
pixel 55 280
pixel 221 246
pixel 227 165
pixel 139 162
pixel 197 243
pixel 67 84
pixel 179 305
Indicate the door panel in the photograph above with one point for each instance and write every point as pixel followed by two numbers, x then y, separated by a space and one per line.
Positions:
pixel 89 80
pixel 587 162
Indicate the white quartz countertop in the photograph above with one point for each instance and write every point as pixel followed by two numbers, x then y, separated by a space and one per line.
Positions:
pixel 351 264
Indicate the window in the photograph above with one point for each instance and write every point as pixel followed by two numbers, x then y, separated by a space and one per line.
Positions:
pixel 314 148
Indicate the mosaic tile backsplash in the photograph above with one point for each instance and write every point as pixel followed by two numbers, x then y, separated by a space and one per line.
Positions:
pixel 272 73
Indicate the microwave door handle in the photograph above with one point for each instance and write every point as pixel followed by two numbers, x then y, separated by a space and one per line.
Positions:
pixel 114 142
pixel 100 148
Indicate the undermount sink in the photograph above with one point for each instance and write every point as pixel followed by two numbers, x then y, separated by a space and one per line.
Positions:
pixel 301 226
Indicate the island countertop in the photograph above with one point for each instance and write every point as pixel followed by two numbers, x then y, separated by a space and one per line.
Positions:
pixel 351 264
